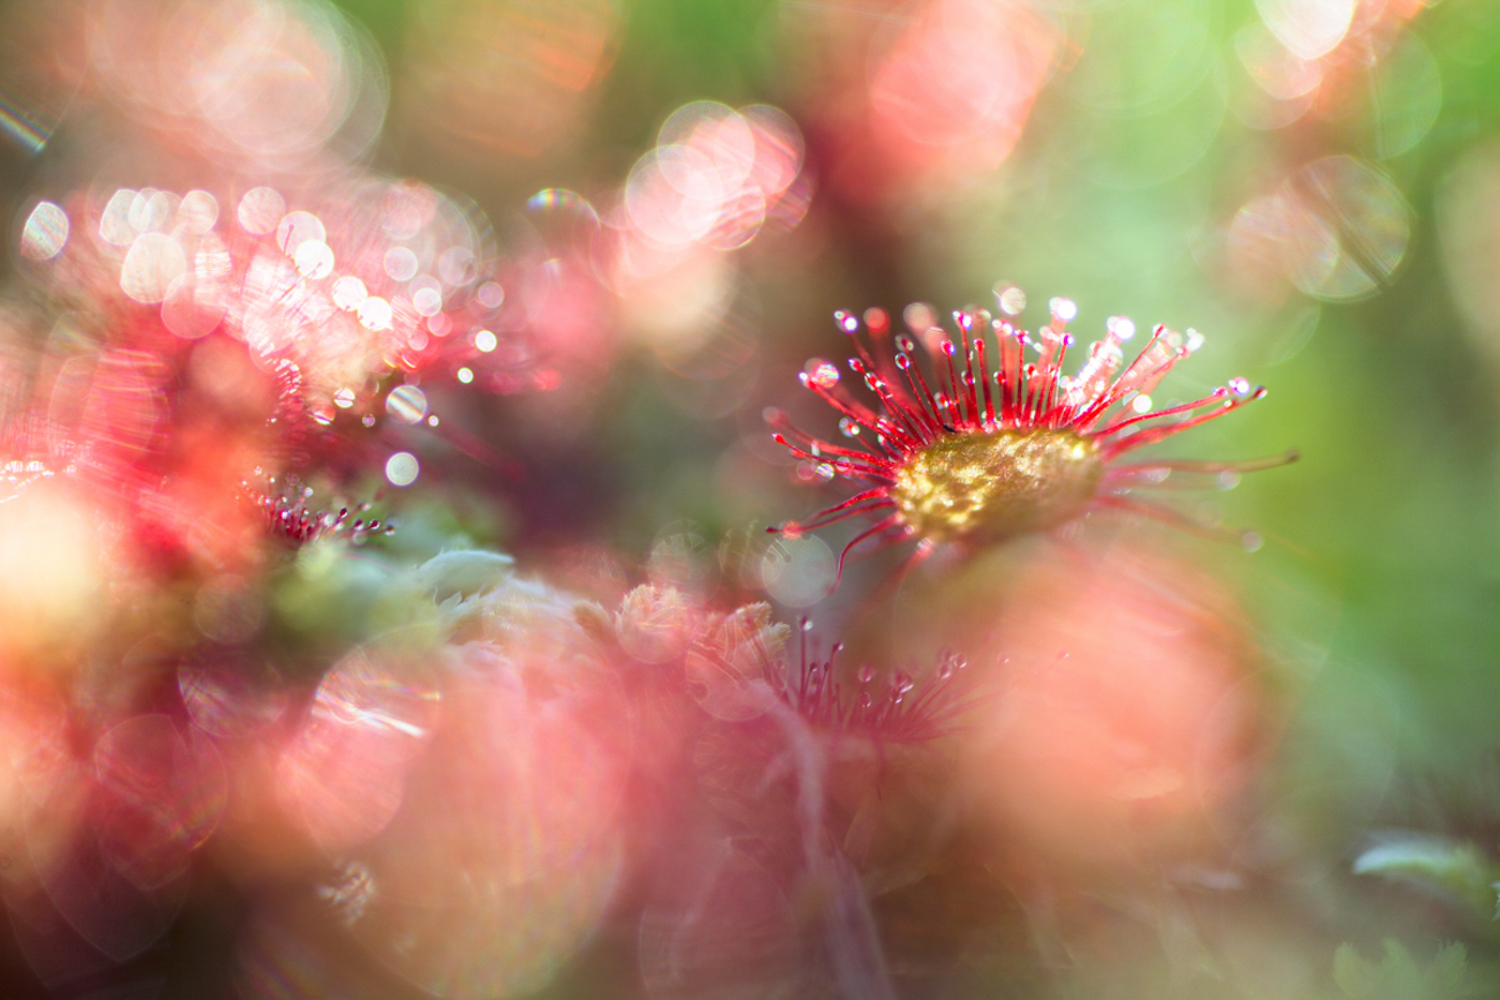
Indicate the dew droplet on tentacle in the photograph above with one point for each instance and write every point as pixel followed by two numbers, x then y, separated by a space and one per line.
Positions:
pixel 1011 298
pixel 820 374
pixel 1120 328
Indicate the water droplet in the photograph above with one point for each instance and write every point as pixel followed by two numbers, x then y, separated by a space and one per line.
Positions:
pixel 114 221
pixel 1193 340
pixel 407 403
pixel 846 321
pixel 821 374
pixel 490 295
pixel 349 292
pixel 260 210
pixel 45 233
pixel 1239 386
pixel 1012 298
pixel 427 301
pixel 1120 327
pixel 375 313
pixel 1063 309
pixel 344 398
pixel 152 263
pixel 486 341
pixel 150 210
pixel 297 228
pixel 401 264
pixel 1251 541
pixel 314 259
pixel 919 317
pixel 402 468
pixel 1141 404
pixel 1339 227
pixel 1308 30
pixel 849 427
pixel 368 420
pixel 465 376
pixel 199 211
pixel 1227 480
pixel 865 674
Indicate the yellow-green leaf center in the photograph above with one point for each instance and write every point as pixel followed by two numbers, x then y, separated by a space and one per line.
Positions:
pixel 997 485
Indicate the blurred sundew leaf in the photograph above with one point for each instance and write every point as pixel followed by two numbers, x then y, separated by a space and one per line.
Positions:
pixel 464 573
pixel 335 596
pixel 329 592
pixel 1452 868
pixel 1398 976
pixel 422 600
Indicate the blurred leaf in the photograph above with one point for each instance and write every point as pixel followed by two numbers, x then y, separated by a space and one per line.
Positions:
pixel 1398 977
pixel 464 573
pixel 325 599
pixel 1449 867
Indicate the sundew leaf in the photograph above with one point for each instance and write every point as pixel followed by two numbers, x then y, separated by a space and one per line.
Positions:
pixel 439 595
pixel 1398 976
pixel 1448 867
pixel 463 572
